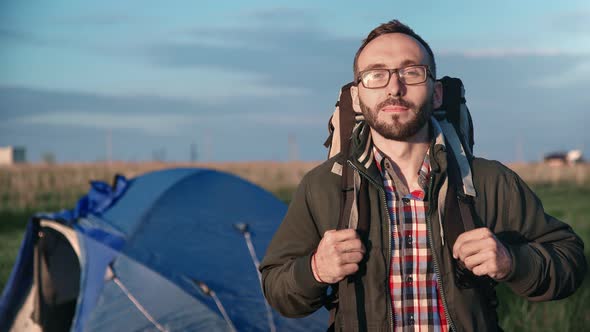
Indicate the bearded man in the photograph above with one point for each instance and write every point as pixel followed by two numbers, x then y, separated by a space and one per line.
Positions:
pixel 403 274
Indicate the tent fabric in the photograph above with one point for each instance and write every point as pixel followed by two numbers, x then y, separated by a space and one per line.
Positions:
pixel 97 255
pixel 20 278
pixel 169 305
pixel 148 242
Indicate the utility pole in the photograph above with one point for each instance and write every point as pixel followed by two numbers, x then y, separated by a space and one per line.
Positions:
pixel 293 148
pixel 208 144
pixel 109 146
pixel 519 150
pixel 194 153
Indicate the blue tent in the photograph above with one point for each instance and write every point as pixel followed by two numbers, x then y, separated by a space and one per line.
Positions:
pixel 172 250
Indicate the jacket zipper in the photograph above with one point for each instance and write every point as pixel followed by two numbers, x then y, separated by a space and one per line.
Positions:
pixel 382 194
pixel 436 270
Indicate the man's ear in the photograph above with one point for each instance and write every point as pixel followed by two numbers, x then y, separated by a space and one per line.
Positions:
pixel 437 97
pixel 354 93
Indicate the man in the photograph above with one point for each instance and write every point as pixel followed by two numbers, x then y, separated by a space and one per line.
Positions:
pixel 402 272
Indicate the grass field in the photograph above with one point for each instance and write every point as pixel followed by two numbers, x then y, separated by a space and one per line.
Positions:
pixel 568 203
pixel 46 187
pixel 564 196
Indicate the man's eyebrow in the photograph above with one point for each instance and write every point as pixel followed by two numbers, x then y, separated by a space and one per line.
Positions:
pixel 375 66
pixel 383 66
pixel 408 63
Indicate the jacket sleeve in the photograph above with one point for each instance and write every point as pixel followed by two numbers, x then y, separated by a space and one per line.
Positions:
pixel 548 260
pixel 287 278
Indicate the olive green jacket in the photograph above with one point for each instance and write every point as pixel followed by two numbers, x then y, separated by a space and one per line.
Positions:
pixel 547 256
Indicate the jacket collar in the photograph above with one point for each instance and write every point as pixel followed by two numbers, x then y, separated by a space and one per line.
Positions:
pixel 363 158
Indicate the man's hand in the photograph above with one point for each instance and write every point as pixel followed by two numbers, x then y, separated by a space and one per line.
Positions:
pixel 337 256
pixel 482 253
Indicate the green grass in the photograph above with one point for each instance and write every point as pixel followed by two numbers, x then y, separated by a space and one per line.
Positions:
pixel 12 226
pixel 569 203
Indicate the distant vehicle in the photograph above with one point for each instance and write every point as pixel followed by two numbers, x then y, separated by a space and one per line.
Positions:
pixel 10 155
pixel 564 158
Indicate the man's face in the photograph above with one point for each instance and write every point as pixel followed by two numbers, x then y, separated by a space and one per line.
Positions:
pixel 396 111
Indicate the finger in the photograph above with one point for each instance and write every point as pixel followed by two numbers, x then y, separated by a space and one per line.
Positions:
pixel 478 259
pixel 480 270
pixel 349 269
pixel 489 263
pixel 331 251
pixel 489 268
pixel 470 248
pixel 472 235
pixel 341 235
pixel 351 257
pixel 350 245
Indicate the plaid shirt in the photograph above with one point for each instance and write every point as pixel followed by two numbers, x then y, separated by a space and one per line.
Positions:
pixel 413 283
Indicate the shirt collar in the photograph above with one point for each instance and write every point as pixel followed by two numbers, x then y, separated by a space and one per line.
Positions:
pixel 423 172
pixel 362 141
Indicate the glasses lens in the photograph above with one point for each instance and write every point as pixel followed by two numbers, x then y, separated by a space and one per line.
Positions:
pixel 376 78
pixel 413 75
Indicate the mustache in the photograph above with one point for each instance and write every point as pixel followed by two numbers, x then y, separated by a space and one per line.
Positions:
pixel 396 102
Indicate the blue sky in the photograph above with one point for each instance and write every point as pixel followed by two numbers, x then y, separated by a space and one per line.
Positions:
pixel 240 80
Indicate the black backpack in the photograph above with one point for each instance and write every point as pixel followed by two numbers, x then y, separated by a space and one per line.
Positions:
pixel 453 109
pixel 457 126
pixel 455 120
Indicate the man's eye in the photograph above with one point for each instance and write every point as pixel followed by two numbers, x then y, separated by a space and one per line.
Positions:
pixel 412 72
pixel 377 75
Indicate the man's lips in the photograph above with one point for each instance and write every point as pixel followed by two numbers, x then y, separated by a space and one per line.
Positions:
pixel 394 109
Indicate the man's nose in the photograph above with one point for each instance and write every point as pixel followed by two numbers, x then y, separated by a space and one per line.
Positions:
pixel 395 86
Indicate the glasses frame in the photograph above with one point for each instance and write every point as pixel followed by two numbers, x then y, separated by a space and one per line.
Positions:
pixel 399 77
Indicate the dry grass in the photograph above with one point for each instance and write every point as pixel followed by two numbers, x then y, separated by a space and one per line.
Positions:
pixel 41 186
pixel 541 173
pixel 564 190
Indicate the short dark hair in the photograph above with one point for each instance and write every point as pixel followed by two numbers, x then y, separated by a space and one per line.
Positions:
pixel 394 26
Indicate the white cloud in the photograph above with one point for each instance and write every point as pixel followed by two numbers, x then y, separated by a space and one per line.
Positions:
pixel 500 52
pixel 211 86
pixel 287 119
pixel 252 89
pixel 158 124
pixel 579 72
pixel 163 124
pixel 571 22
pixel 216 85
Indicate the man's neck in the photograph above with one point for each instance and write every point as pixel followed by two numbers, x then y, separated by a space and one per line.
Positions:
pixel 407 155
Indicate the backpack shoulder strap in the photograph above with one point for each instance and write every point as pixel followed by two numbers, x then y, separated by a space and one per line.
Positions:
pixel 454 109
pixel 354 205
pixel 456 124
pixel 341 126
pixel 460 158
pixel 458 206
pixel 459 218
pixel 341 123
pixel 347 192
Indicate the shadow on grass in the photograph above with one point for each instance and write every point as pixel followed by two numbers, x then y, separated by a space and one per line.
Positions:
pixel 11 221
pixel 12 228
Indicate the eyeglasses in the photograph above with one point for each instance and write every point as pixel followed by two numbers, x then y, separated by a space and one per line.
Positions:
pixel 379 78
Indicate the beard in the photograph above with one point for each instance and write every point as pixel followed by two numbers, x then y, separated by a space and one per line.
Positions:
pixel 395 129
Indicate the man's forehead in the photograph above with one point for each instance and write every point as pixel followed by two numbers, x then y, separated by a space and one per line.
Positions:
pixel 392 49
